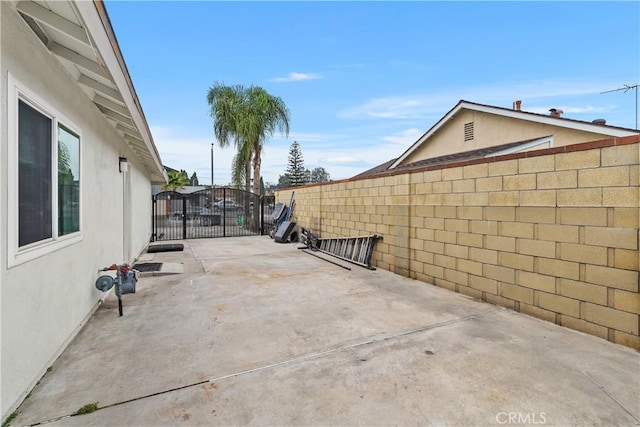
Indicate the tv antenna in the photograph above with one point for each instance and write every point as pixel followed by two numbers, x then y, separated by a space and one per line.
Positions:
pixel 626 88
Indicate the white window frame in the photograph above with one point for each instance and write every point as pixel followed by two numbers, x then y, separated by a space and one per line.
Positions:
pixel 17 91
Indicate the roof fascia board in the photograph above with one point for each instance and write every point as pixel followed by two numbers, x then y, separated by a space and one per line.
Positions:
pixel 549 120
pixel 428 134
pixel 97 28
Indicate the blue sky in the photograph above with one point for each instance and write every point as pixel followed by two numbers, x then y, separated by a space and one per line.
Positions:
pixel 363 80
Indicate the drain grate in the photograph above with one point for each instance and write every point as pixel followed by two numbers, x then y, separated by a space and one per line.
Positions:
pixel 148 266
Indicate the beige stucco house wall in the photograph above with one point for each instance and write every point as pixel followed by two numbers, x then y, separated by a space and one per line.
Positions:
pixel 47 289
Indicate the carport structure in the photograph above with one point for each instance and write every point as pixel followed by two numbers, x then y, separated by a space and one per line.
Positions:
pixel 259 333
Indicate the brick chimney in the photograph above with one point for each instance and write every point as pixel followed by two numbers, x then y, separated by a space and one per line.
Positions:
pixel 517 104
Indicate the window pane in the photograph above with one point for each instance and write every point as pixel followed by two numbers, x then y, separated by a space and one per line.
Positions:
pixel 34 175
pixel 68 182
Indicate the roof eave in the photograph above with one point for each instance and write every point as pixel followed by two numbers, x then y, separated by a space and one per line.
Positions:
pixel 427 134
pixel 97 23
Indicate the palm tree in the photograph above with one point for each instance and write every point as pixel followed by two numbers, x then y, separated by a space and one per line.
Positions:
pixel 248 117
pixel 227 104
pixel 240 170
pixel 267 114
pixel 177 180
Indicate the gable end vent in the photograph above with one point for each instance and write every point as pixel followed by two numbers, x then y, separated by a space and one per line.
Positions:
pixel 468 131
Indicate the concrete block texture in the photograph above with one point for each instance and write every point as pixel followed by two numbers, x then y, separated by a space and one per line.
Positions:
pixel 612 318
pixel 617 176
pixel 577 160
pixel 538 198
pixel 519 182
pixel 555 180
pixel 583 216
pixel 552 235
pixel 516 293
pixel 620 155
pixel 558 233
pixel 613 237
pixel 536 164
pixel 559 304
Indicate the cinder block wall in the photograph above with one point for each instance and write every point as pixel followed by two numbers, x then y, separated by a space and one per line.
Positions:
pixel 551 233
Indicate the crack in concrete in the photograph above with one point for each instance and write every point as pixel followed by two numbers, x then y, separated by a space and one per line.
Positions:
pixel 605 391
pixel 375 340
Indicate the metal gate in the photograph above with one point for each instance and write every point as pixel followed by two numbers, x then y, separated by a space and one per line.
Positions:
pixel 217 212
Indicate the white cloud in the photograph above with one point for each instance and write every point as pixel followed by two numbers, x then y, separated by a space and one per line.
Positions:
pixel 405 137
pixel 302 136
pixel 434 105
pixel 346 159
pixel 297 77
pixel 396 107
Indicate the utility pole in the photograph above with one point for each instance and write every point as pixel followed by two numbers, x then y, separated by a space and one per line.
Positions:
pixel 213 195
pixel 626 88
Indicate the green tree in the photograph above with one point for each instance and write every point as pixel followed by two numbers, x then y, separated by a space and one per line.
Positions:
pixel 226 105
pixel 248 116
pixel 270 188
pixel 241 170
pixel 319 175
pixel 284 181
pixel 194 180
pixel 295 168
pixel 177 180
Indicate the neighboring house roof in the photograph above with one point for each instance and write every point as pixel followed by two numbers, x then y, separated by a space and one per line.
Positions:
pixel 496 150
pixel 191 189
pixel 603 129
pixel 470 155
pixel 79 34
pixel 376 169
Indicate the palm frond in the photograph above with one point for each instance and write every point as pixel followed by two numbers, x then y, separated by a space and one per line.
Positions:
pixel 246 117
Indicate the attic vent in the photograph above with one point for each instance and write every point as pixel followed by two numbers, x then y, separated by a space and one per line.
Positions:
pixel 468 131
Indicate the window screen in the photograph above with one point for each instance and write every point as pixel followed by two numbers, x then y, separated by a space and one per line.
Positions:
pixel 34 175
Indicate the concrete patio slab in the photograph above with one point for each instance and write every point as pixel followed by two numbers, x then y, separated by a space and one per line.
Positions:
pixel 259 333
